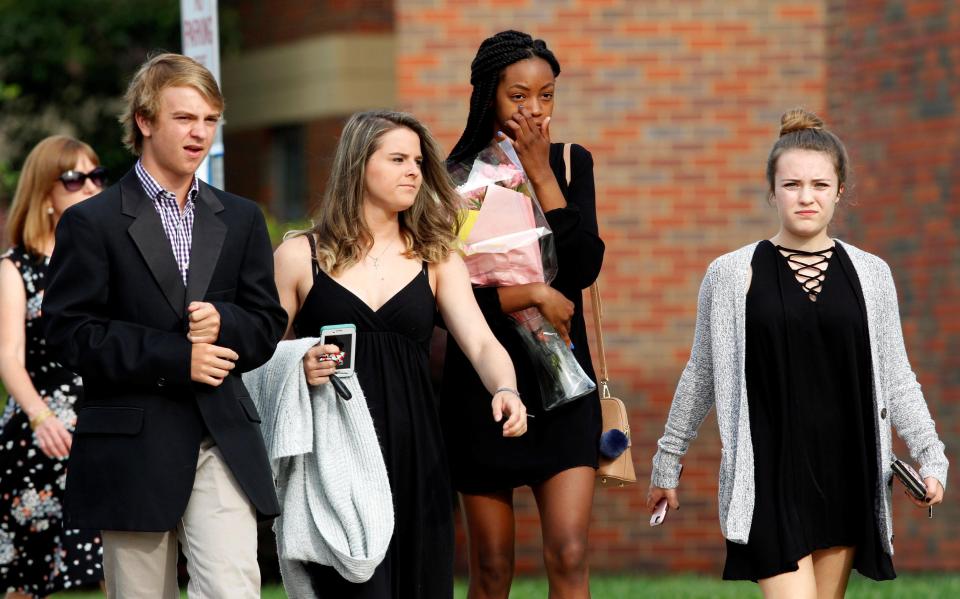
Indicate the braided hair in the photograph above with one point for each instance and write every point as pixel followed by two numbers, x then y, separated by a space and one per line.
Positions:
pixel 494 55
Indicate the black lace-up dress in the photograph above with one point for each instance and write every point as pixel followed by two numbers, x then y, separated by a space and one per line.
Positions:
pixel 810 393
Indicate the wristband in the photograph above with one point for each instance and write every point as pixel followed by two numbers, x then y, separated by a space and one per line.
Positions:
pixel 40 417
pixel 507 390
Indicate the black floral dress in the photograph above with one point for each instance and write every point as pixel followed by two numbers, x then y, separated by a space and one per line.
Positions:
pixel 36 555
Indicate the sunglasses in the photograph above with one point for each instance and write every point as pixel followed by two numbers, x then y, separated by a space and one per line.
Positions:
pixel 74 180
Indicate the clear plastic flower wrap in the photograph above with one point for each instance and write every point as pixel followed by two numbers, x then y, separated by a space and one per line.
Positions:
pixel 505 240
pixel 504 236
pixel 560 376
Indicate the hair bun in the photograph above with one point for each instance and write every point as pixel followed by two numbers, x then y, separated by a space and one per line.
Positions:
pixel 799 119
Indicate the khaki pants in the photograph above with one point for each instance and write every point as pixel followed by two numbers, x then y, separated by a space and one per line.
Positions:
pixel 218 532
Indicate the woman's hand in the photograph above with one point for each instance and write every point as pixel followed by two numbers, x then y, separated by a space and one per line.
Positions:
pixel 53 438
pixel 532 143
pixel 556 309
pixel 655 494
pixel 934 493
pixel 507 402
pixel 317 370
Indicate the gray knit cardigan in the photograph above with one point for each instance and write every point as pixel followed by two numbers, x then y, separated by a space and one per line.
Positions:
pixel 337 508
pixel 715 375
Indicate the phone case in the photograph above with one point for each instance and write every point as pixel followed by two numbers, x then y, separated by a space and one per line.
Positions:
pixel 345 336
pixel 659 512
pixel 910 479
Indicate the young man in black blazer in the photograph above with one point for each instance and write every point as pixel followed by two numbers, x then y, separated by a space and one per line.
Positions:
pixel 160 293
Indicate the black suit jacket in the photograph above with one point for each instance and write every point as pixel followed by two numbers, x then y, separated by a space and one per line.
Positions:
pixel 115 312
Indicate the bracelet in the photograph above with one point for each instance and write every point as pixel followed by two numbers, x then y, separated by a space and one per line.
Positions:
pixel 507 390
pixel 39 418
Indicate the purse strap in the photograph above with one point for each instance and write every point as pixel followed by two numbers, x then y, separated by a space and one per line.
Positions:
pixel 601 354
pixel 597 306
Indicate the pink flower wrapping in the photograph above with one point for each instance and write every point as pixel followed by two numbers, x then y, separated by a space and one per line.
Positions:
pixel 503 248
pixel 501 235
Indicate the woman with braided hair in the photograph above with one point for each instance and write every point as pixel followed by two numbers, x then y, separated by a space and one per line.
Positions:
pixel 514 80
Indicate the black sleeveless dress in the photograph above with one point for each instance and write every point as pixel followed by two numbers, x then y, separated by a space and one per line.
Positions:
pixel 392 366
pixel 37 556
pixel 810 391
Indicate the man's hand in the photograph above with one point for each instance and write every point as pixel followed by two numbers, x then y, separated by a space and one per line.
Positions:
pixel 210 364
pixel 204 323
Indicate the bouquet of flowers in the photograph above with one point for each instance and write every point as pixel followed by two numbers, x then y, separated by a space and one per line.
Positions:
pixel 505 240
pixel 504 236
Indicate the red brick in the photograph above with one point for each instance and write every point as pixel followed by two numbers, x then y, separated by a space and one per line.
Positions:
pixel 679 143
pixel 799 12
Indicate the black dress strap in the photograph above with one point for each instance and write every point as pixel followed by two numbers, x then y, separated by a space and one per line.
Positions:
pixel 313 254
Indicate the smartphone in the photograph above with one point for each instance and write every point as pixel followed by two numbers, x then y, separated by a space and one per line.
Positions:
pixel 344 336
pixel 661 508
pixel 910 479
pixel 659 512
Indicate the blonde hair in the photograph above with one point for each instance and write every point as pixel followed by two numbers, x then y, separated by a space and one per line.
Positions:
pixel 429 226
pixel 803 130
pixel 155 75
pixel 28 223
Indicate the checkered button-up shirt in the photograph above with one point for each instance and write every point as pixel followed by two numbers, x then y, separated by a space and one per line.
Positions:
pixel 177 224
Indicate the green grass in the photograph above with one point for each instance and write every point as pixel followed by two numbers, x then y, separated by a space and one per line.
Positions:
pixel 909 586
pixel 698 587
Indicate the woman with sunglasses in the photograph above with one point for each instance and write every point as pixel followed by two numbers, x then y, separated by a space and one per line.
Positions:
pixel 37 556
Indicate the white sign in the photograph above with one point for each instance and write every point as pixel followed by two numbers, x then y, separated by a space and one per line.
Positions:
pixel 200 36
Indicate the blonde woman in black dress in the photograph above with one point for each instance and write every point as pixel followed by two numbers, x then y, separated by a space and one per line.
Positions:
pixel 380 255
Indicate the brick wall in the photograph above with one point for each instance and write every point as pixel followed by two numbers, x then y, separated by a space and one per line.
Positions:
pixel 284 48
pixel 248 171
pixel 894 94
pixel 322 137
pixel 243 167
pixel 281 22
pixel 679 103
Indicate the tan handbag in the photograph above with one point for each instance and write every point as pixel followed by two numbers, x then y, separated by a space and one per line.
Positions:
pixel 618 471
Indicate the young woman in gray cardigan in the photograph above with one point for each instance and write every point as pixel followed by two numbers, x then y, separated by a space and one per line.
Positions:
pixel 798 343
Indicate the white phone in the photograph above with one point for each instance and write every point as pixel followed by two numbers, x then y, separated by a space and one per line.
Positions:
pixel 343 336
pixel 659 512
pixel 661 508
